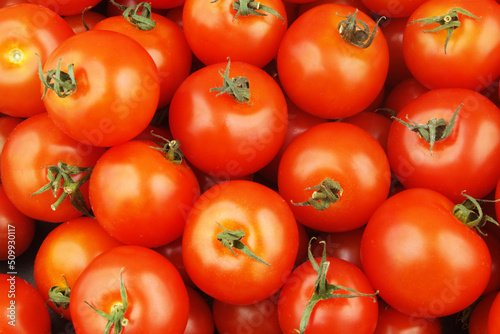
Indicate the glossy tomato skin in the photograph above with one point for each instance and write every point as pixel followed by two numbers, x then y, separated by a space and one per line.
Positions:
pixel 117 88
pixel 469 44
pixel 336 315
pixel 64 254
pixel 7 124
pixel 42 144
pixel 173 252
pixel 140 197
pixel 217 34
pixel 222 136
pixel 403 93
pixel 346 154
pixel 317 70
pixel 201 320
pixel 493 316
pixel 164 309
pixel 391 321
pixel 66 7
pixel 460 162
pixel 478 320
pixel 374 123
pixel 26 30
pixel 420 240
pixel 270 232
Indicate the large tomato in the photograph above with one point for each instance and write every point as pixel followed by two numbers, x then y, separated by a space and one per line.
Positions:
pixel 26 30
pixel 240 232
pixel 114 91
pixel 324 69
pixel 424 260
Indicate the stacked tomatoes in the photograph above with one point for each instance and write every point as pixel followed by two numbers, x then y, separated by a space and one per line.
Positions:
pixel 250 167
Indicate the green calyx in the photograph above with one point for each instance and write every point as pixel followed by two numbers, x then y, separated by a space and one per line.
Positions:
pixel 139 15
pixel 434 130
pixel 357 32
pixel 62 83
pixel 116 318
pixel 326 193
pixel 449 22
pixel 170 149
pixel 59 296
pixel 324 290
pixel 63 172
pixel 252 7
pixel 470 213
pixel 237 87
pixel 232 240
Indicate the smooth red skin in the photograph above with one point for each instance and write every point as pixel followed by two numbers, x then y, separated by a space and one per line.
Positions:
pixel 7 124
pixel 494 316
pixel 91 19
pixel 270 232
pixel 305 6
pixel 65 253
pixel 73 7
pixel 345 153
pixel 257 318
pixel 334 86
pixel 16 229
pixel 375 124
pixel 393 9
pixel 201 320
pixel 403 93
pixel 336 315
pixel 420 240
pixel 460 162
pixel 252 39
pixel 31 314
pixel 165 43
pixel 34 30
pixel 478 320
pixel 139 197
pixel 157 298
pixel 118 88
pixel 34 144
pixel 391 321
pixel 173 252
pixel 5 3
pixel 175 14
pixel 221 136
pixel 470 44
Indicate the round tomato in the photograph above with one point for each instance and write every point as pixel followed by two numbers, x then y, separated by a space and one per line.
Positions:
pixel 201 320
pixel 26 30
pixel 494 316
pixel 478 320
pixel 138 287
pixel 240 232
pixel 403 93
pixel 324 69
pixel 374 123
pixel 391 321
pixel 424 261
pixel 173 252
pixel 66 7
pixel 112 92
pixel 7 124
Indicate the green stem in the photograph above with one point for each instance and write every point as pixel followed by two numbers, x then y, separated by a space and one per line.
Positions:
pixel 139 15
pixel 252 7
pixel 170 149
pixel 59 296
pixel 357 32
pixel 237 87
pixel 326 193
pixel 62 83
pixel 470 213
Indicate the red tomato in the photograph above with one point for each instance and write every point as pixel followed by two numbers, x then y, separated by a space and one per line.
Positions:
pixel 317 69
pixel 222 32
pixel 7 124
pixel 457 162
pixel 391 321
pixel 42 144
pixel 432 264
pixel 403 93
pixel 63 255
pixel 433 61
pixel 374 123
pixel 494 316
pixel 114 10
pixel 136 282
pixel 66 7
pixel 26 30
pixel 173 252
pixel 110 105
pixel 305 6
pixel 225 219
pixel 478 320
pixel 394 8
pixel 90 17
pixel 139 196
pixel 5 3
pixel 334 152
pixel 221 135
pixel 201 320
pixel 23 309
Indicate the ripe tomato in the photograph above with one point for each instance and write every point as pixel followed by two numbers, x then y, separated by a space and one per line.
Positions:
pixel 117 88
pixel 374 123
pixel 327 153
pixel 325 75
pixel 423 260
pixel 201 320
pixel 42 144
pixel 225 219
pixel 7 124
pixel 478 320
pixel 90 17
pixel 135 282
pixel 394 8
pixel 221 135
pixel 216 31
pixel 305 6
pixel 403 93
pixel 63 255
pixel 173 252
pixel 26 30
pixel 66 7
pixel 391 321
pixel 433 61
pixel 493 316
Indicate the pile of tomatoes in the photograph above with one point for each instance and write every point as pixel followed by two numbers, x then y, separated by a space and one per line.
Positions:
pixel 299 166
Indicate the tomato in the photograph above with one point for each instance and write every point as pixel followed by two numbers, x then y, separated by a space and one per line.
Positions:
pixel 397 8
pixel 403 93
pixel 66 7
pixel 493 318
pixel 225 219
pixel 334 176
pixel 7 124
pixel 117 88
pixel 433 61
pixel 166 44
pixel 478 320
pixel 90 17
pixel 391 321
pixel 63 255
pixel 458 160
pixel 23 309
pixel 25 31
pixel 5 3
pixel 201 320
pixel 114 10
pixel 173 252
pixel 224 135
pixel 16 230
pixel 374 123
pixel 316 65
pixel 423 260
pixel 305 6
pixel 42 145
pixel 135 282
pixel 216 31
